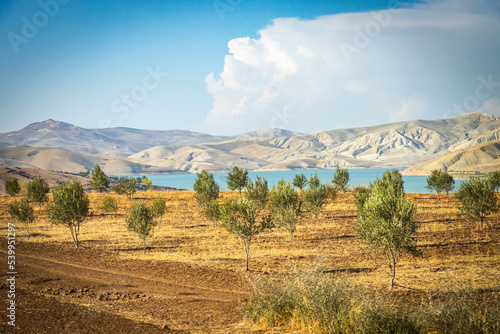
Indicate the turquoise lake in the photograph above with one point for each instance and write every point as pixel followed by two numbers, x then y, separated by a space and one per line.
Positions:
pixel 412 184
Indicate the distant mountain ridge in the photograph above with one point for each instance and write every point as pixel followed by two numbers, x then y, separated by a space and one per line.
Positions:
pixel 127 150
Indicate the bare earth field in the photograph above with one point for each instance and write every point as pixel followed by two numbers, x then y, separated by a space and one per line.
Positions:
pixel 191 280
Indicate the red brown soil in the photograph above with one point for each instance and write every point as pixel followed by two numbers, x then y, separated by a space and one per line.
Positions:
pixel 60 289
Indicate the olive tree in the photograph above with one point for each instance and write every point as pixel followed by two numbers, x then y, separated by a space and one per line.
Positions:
pixel 205 187
pixel 285 206
pixel 440 182
pixel 258 192
pixel 109 204
pixel 23 212
pixel 239 217
pixel 237 179
pixel 70 208
pixel 12 186
pixel 299 181
pixel 141 221
pixel 125 186
pixel 340 179
pixel 478 199
pixel 495 180
pixel 386 221
pixel 98 180
pixel 315 195
pixel 38 189
pixel 212 212
pixel 158 208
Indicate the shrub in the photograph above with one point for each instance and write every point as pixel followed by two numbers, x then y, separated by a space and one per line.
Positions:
pixel 38 189
pixel 12 186
pixel 340 179
pixel 478 199
pixel 22 212
pixel 158 208
pixel 286 206
pixel 205 187
pixel 258 192
pixel 315 196
pixel 70 208
pixel 237 179
pixel 300 181
pixel 141 221
pixel 361 195
pixel 109 204
pixel 125 186
pixel 98 180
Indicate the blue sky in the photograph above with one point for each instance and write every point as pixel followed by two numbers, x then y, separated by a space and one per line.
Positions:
pixel 230 66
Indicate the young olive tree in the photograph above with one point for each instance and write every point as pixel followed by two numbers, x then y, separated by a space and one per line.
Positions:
pixel 23 212
pixel 495 180
pixel 258 192
pixel 361 195
pixel 70 208
pixel 237 179
pixel 109 204
pixel 141 221
pixel 158 208
pixel 205 187
pixel 239 217
pixel 38 189
pixel 340 179
pixel 386 221
pixel 286 206
pixel 125 186
pixel 212 212
pixel 98 180
pixel 440 182
pixel 478 199
pixel 299 181
pixel 315 195
pixel 12 186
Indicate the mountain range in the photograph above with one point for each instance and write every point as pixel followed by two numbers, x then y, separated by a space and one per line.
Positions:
pixel 57 145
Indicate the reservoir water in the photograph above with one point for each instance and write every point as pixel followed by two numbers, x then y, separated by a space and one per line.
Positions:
pixel 412 184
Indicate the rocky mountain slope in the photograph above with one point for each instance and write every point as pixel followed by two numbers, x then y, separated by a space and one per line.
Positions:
pixel 124 150
pixel 484 158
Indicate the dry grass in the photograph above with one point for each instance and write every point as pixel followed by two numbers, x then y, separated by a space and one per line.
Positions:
pixel 455 253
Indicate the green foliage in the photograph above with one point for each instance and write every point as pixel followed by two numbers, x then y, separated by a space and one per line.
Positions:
pixel 340 179
pixel 205 187
pixel 212 211
pixel 125 186
pixel 478 199
pixel 158 208
pixel 38 189
pixel 315 196
pixel 141 221
pixel 70 208
pixel 386 221
pixel 109 204
pixel 258 192
pixel 145 181
pixel 237 179
pixel 239 217
pixel 23 212
pixel 440 182
pixel 12 186
pixel 300 181
pixel 361 195
pixel 286 206
pixel 495 180
pixel 98 180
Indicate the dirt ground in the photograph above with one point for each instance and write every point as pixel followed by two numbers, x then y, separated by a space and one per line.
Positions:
pixel 190 280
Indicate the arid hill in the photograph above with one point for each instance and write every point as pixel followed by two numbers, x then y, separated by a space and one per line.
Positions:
pixel 128 151
pixel 483 158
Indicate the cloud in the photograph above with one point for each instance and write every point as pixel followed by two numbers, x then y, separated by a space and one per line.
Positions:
pixel 357 69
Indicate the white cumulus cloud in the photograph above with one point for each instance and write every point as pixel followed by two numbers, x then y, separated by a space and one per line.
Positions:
pixel 358 69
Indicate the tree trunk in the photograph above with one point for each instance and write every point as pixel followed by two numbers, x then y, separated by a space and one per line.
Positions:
pixel 392 265
pixel 73 235
pixel 247 251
